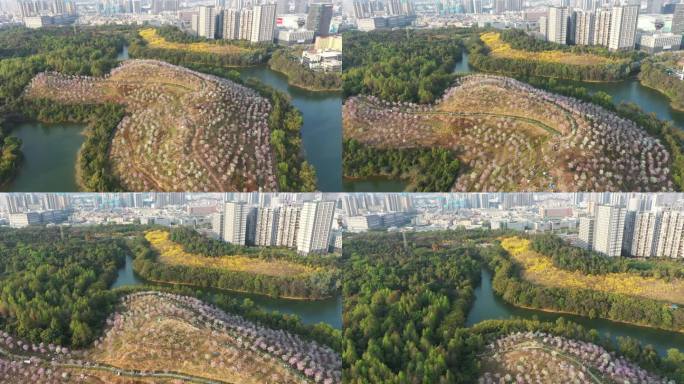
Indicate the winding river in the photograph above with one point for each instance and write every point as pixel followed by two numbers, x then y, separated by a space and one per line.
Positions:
pixel 327 311
pixel 322 128
pixel 489 306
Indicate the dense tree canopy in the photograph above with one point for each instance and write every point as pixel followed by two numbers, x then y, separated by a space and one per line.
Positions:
pixel 407 296
pixel 400 65
pixel 55 284
pixel 426 169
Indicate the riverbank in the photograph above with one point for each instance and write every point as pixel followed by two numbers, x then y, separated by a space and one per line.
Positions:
pixel 490 306
pixel 673 102
pixel 301 85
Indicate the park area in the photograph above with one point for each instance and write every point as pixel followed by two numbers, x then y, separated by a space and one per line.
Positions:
pixel 539 269
pixel 499 48
pixel 537 357
pixel 514 137
pixel 156 337
pixel 173 254
pixel 183 130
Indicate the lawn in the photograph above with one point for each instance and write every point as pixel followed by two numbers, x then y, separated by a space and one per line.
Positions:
pixel 539 269
pixel 499 48
pixel 155 41
pixel 173 254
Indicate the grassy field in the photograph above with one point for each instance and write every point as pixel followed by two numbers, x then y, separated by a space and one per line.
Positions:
pixel 155 41
pixel 159 334
pixel 499 48
pixel 539 269
pixel 173 254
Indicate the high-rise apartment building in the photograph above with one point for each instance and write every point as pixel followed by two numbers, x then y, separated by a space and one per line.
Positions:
pixel 671 237
pixel 586 232
pixel 263 23
pixel 678 19
pixel 231 24
pixel 266 226
pixel 557 25
pixel 320 16
pixel 288 226
pixel 623 27
pixel 609 230
pixel 315 224
pixel 584 28
pixel 602 27
pixel 235 223
pixel 206 25
pixel 246 17
pixel 645 235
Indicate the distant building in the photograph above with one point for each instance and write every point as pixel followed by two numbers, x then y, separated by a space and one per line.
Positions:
pixel 206 25
pixel 263 23
pixel 266 226
pixel 671 236
pixel 557 25
pixel 231 24
pixel 609 230
pixel 363 223
pixel 678 19
pixel 314 226
pixel 586 232
pixel 246 22
pixel 288 226
pixel 329 43
pixel 319 17
pixel 645 237
pixel 602 27
pixel 289 37
pixel 660 42
pixel 21 220
pixel 584 28
pixel 623 27
pixel 235 223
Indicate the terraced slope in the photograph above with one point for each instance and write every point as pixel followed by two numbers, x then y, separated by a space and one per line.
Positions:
pixel 513 137
pixel 183 130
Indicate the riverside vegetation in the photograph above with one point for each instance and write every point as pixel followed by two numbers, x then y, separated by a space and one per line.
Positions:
pixel 658 72
pixel 60 321
pixel 406 300
pixel 277 273
pixel 514 52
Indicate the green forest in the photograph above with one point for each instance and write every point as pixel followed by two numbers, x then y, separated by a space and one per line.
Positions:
pixel 54 286
pixel 426 169
pixel 401 65
pixel 407 296
pixel 286 61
